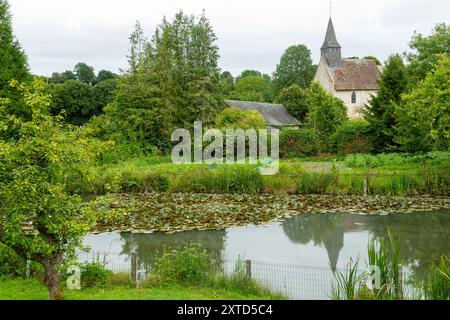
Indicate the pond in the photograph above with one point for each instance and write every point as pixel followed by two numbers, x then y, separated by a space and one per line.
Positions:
pixel 317 243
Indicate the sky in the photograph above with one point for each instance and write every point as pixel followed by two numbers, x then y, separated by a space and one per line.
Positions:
pixel 252 34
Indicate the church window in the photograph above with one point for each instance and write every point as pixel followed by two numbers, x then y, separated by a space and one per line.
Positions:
pixel 354 97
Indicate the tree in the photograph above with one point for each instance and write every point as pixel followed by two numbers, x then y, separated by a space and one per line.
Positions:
pixel 426 51
pixel 295 67
pixel 84 73
pixel 227 83
pixel 351 137
pixel 325 114
pixel 58 78
pixel 252 88
pixel 13 63
pixel 234 118
pixel 249 73
pixel 76 98
pixel 104 75
pixel 374 59
pixel 40 216
pixel 380 110
pixel 294 99
pixel 424 114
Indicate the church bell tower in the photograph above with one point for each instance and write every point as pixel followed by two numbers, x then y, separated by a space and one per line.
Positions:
pixel 331 49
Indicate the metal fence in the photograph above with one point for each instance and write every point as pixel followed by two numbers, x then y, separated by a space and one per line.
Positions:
pixel 293 281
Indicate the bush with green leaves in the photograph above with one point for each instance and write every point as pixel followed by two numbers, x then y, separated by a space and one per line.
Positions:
pixel 12 265
pixel 297 143
pixel 94 275
pixel 351 137
pixel 189 265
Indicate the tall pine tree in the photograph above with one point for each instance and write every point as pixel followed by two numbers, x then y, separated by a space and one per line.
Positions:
pixel 13 62
pixel 380 110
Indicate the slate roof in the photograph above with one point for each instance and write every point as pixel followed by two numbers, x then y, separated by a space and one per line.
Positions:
pixel 330 37
pixel 275 114
pixel 356 74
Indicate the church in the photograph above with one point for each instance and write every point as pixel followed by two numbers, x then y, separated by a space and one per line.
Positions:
pixel 351 80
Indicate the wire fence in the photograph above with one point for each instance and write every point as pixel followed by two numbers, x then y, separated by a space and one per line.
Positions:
pixel 293 281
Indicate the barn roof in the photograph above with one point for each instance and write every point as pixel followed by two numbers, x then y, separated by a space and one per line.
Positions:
pixel 356 74
pixel 275 114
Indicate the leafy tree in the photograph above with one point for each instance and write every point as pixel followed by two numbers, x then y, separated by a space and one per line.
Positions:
pixel 84 73
pixel 424 114
pixel 426 51
pixel 76 98
pixel 252 88
pixel 104 75
pixel 295 67
pixel 249 73
pixel 294 99
pixel 227 83
pixel 13 62
pixel 234 118
pixel 58 78
pixel 375 59
pixel 325 114
pixel 103 94
pixel 380 110
pixel 40 216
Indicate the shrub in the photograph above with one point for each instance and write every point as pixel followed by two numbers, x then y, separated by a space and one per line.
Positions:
pixel 189 265
pixel 11 265
pixel 351 137
pixel 297 143
pixel 94 275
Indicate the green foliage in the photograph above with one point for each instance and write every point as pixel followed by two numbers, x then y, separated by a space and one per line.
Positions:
pixel 94 275
pixel 310 183
pixel 12 265
pixel 395 160
pixel 234 118
pixel 104 75
pixel 226 83
pixel 190 265
pixel 351 137
pixel 424 115
pixel 84 73
pixel 325 114
pixel 294 99
pixel 295 67
pixel 39 164
pixel 297 143
pixel 348 283
pixel 252 88
pixel 240 179
pixel 426 51
pixel 13 63
pixel 374 59
pixel 58 78
pixel 380 112
pixel 437 283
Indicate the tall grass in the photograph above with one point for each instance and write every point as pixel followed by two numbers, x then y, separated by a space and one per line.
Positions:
pixel 348 283
pixel 437 283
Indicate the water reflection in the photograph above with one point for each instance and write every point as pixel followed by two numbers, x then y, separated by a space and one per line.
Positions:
pixel 320 240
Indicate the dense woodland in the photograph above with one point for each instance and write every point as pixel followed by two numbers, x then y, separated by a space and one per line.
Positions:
pixel 54 130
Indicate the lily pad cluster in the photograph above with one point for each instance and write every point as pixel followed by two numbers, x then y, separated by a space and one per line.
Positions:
pixel 175 212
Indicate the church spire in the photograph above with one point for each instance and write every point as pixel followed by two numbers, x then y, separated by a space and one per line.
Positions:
pixel 331 49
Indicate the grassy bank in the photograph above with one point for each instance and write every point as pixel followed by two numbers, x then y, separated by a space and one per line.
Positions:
pixel 31 289
pixel 393 175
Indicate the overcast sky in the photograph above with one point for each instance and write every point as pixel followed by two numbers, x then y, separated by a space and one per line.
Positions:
pixel 56 34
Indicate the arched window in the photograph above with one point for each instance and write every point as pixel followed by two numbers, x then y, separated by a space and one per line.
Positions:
pixel 354 97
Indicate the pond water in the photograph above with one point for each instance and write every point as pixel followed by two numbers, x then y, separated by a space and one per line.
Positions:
pixel 320 242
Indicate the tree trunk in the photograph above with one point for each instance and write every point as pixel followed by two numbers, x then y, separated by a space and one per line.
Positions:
pixel 52 277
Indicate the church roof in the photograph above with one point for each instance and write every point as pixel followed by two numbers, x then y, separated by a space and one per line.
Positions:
pixel 330 37
pixel 356 74
pixel 275 114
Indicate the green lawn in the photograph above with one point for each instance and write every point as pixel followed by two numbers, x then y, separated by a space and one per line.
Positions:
pixel 31 289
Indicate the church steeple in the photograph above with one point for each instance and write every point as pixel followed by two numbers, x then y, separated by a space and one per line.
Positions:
pixel 331 49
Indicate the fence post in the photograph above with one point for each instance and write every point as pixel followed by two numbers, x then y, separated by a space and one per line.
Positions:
pixel 133 270
pixel 28 271
pixel 366 187
pixel 248 269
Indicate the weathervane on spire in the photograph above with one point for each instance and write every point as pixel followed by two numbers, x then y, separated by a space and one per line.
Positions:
pixel 330 8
